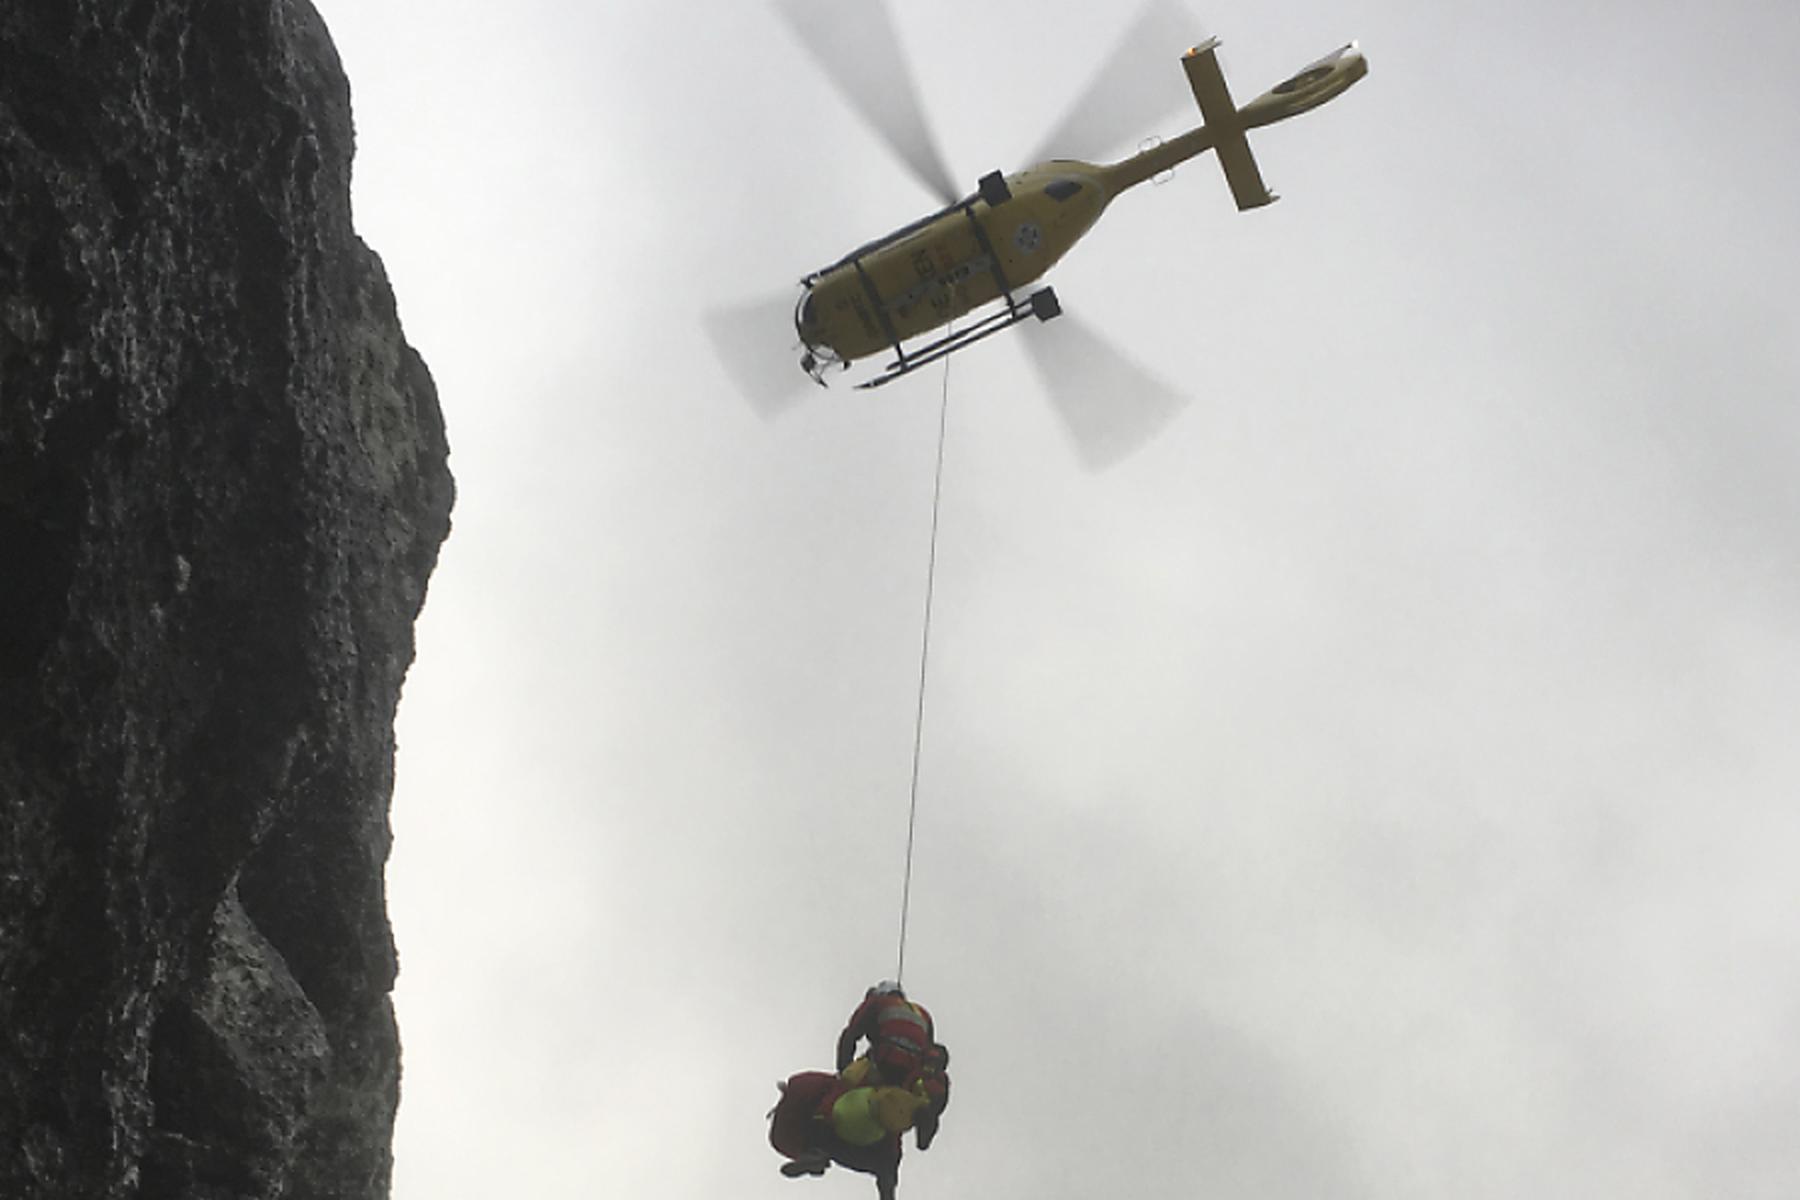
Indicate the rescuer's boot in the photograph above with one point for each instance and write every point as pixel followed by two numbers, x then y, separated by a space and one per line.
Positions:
pixel 813 1162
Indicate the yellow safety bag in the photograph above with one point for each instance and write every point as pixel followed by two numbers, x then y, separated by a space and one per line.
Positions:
pixel 866 1115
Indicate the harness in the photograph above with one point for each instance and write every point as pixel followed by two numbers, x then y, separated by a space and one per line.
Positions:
pixel 901 1034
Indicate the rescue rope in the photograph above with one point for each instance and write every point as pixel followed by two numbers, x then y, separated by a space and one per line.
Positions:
pixel 912 811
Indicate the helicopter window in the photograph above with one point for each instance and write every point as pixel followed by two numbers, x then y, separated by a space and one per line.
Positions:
pixel 1062 189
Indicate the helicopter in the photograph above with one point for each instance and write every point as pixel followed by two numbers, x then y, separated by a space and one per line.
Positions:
pixel 990 245
pixel 979 254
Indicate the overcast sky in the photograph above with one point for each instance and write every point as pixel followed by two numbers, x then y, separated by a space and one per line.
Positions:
pixel 1381 785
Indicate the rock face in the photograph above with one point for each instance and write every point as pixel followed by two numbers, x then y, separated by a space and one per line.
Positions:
pixel 222 490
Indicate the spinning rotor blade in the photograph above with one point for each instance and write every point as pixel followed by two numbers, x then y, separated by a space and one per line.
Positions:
pixel 756 345
pixel 1110 406
pixel 858 48
pixel 1137 86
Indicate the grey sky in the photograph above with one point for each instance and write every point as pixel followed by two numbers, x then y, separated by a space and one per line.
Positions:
pixel 1383 784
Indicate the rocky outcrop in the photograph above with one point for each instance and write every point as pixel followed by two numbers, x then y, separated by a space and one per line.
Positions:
pixel 222 490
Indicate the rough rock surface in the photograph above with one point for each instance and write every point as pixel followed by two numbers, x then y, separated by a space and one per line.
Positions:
pixel 222 490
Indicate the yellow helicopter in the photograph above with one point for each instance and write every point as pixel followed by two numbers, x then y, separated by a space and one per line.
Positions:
pixel 986 249
pixel 990 245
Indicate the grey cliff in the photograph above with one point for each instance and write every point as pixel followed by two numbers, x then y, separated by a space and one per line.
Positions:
pixel 223 485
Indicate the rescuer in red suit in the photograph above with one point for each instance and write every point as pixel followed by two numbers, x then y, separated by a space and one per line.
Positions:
pixel 898 1031
pixel 855 1117
pixel 903 1049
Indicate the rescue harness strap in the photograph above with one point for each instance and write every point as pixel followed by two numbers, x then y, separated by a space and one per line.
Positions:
pixel 912 813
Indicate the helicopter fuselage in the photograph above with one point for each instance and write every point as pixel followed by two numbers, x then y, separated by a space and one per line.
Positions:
pixel 927 274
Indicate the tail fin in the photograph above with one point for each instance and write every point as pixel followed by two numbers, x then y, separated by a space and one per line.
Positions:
pixel 1221 115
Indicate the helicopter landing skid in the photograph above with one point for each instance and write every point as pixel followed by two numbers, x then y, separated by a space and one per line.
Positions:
pixel 1041 304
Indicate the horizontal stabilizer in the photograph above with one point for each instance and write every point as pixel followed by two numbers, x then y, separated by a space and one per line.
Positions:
pixel 1246 181
pixel 1221 116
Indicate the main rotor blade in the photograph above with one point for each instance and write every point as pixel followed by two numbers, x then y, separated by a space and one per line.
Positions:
pixel 755 343
pixel 1110 406
pixel 857 46
pixel 1137 87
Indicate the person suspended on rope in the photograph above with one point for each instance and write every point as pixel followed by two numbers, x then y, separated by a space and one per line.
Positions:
pixel 856 1116
pixel 822 1118
pixel 898 1030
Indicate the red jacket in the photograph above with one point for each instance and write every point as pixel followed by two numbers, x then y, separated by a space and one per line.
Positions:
pixel 899 1033
pixel 934 1077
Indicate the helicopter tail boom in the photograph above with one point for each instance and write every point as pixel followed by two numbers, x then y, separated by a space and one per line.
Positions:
pixel 1225 123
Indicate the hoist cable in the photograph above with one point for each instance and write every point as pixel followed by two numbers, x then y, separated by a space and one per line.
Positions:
pixel 912 811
